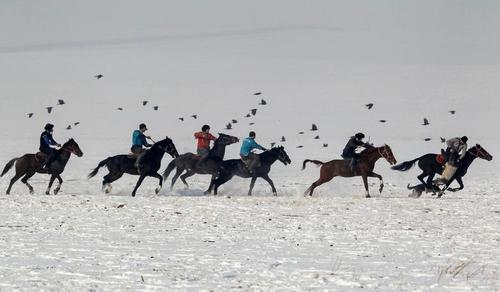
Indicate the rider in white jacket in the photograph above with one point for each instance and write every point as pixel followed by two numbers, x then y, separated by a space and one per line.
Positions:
pixel 458 146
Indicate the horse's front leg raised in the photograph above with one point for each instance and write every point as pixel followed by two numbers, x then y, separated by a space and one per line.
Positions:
pixel 252 184
pixel 365 182
pixel 60 181
pixel 373 174
pixel 158 176
pixel 271 183
pixel 52 178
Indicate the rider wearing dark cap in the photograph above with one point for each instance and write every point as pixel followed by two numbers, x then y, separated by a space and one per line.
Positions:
pixel 48 144
pixel 349 151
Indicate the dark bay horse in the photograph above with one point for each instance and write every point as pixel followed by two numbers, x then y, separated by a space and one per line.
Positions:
pixel 230 168
pixel 150 164
pixel 430 167
pixel 363 168
pixel 29 164
pixel 189 162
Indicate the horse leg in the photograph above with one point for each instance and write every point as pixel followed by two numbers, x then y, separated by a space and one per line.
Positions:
pixel 210 187
pixel 430 178
pixel 365 182
pixel 108 179
pixel 461 183
pixel 158 189
pixel 421 177
pixel 373 174
pixel 52 178
pixel 185 176
pixel 60 181
pixel 220 181
pixel 252 184
pixel 271 183
pixel 25 181
pixel 176 176
pixel 12 181
pixel 317 183
pixel 139 182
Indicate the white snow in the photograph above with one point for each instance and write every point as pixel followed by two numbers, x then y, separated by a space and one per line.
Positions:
pixel 320 73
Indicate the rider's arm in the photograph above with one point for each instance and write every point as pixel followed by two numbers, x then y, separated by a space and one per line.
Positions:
pixel 463 151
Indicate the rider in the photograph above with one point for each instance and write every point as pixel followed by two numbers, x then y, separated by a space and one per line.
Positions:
pixel 204 137
pixel 139 142
pixel 349 151
pixel 456 147
pixel 47 145
pixel 250 159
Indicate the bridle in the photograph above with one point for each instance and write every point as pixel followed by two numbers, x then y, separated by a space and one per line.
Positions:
pixel 386 151
pixel 72 151
pixel 479 153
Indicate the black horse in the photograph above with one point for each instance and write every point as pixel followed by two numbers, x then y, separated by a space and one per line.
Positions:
pixel 150 164
pixel 29 164
pixel 230 168
pixel 189 162
pixel 430 167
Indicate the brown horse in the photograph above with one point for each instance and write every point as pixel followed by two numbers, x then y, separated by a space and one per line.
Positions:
pixel 363 168
pixel 29 164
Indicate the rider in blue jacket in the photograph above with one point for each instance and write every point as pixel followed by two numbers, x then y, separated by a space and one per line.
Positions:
pixel 47 145
pixel 250 159
pixel 139 142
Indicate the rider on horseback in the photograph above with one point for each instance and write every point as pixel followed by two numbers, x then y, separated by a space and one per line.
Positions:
pixel 139 142
pixel 455 152
pixel 204 137
pixel 47 145
pixel 250 159
pixel 349 151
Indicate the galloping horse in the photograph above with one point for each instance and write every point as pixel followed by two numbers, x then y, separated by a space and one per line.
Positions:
pixel 29 164
pixel 189 162
pixel 230 168
pixel 150 164
pixel 363 168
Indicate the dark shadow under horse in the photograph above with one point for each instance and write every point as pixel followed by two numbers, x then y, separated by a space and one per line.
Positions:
pixel 125 163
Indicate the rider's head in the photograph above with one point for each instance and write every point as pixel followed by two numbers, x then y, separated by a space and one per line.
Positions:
pixel 49 128
pixel 464 139
pixel 205 128
pixel 143 128
pixel 251 134
pixel 360 136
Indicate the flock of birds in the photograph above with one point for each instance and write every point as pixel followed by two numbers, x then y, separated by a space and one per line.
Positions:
pixel 252 112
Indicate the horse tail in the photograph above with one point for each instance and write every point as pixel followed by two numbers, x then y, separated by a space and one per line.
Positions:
pixel 405 166
pixel 8 166
pixel 169 169
pixel 317 162
pixel 101 164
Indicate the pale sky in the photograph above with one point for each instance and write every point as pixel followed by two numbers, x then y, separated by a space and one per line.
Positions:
pixel 449 32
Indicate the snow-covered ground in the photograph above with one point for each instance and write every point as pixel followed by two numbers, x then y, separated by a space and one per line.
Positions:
pixel 312 65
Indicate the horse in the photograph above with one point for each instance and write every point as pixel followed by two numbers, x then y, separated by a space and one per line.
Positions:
pixel 230 168
pixel 189 162
pixel 430 167
pixel 29 164
pixel 125 163
pixel 363 168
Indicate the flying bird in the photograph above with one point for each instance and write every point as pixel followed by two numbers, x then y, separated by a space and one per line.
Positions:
pixel 181 119
pixel 427 139
pixel 156 107
pixel 317 137
pixel 426 122
pixel 99 76
pixel 283 139
pixel 144 103
pixel 76 123
pixel 314 127
pixel 272 144
pixel 60 102
pixel 300 146
pixel 325 145
pixel 229 126
pixel 382 121
pixel 369 105
pixel 68 127
pixel 251 124
pixel 257 93
pixel 452 112
pixel 253 111
pixel 262 102
pixel 49 109
pixel 248 116
pixel 234 121
pixel 301 133
pixel 120 108
pixel 194 116
pixel 30 115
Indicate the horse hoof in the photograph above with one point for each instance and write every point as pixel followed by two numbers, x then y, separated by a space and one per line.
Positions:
pixel 56 192
pixel 47 193
pixel 275 194
pixel 157 191
pixel 368 196
pixel 133 194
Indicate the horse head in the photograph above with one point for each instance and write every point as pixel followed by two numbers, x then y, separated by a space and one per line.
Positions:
pixel 225 140
pixel 386 152
pixel 480 152
pixel 282 155
pixel 72 147
pixel 168 146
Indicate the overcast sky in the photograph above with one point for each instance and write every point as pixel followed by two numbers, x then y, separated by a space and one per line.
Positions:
pixel 455 32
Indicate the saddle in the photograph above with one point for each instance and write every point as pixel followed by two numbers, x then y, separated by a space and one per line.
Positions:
pixel 40 156
pixel 441 159
pixel 132 155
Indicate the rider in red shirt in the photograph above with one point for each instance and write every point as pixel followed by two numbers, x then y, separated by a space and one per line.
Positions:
pixel 204 137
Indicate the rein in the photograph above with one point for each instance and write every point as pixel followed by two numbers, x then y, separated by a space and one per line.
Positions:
pixel 478 153
pixel 382 153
